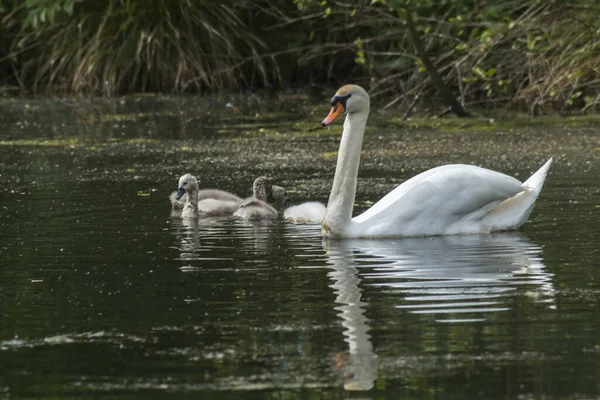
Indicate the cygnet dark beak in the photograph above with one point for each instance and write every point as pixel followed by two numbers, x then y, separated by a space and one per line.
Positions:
pixel 179 193
pixel 287 204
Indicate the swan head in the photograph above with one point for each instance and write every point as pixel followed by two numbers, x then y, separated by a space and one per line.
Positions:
pixel 348 99
pixel 187 183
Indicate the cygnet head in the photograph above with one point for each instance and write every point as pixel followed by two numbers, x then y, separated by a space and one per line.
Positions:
pixel 348 99
pixel 279 196
pixel 187 183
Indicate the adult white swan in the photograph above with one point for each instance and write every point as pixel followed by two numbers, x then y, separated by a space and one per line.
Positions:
pixel 451 199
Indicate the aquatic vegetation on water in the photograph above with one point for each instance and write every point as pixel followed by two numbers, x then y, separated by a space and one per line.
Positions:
pixel 231 308
pixel 72 142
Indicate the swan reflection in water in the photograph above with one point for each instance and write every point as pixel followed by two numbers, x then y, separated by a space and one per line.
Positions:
pixel 358 366
pixel 448 276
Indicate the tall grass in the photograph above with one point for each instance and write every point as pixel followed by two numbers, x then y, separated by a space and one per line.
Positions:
pixel 132 45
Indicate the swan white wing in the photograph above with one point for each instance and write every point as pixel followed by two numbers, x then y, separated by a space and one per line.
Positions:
pixel 440 197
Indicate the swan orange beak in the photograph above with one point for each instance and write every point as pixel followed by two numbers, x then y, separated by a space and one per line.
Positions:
pixel 335 112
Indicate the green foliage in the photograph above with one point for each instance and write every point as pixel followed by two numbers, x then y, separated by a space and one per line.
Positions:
pixel 539 55
pixel 528 53
pixel 42 11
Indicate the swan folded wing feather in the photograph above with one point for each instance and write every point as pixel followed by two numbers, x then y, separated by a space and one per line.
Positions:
pixel 441 196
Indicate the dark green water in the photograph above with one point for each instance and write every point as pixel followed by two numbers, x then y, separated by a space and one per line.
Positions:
pixel 104 295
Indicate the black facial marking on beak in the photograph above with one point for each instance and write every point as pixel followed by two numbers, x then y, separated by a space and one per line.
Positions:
pixel 179 193
pixel 340 99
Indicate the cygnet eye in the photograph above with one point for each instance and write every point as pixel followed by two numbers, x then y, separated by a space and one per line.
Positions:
pixel 184 183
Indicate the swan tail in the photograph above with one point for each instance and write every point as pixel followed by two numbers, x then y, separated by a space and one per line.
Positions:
pixel 536 181
pixel 514 211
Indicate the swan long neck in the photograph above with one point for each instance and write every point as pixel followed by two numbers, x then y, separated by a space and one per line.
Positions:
pixel 190 208
pixel 341 199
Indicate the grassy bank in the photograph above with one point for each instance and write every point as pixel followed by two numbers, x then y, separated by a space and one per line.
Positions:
pixel 534 56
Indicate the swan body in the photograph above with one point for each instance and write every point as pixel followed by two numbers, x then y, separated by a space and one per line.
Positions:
pixel 307 213
pixel 451 199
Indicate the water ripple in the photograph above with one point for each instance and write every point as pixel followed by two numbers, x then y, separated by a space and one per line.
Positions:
pixel 437 275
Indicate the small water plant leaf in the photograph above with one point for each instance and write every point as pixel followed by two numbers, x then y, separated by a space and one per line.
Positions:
pixel 479 72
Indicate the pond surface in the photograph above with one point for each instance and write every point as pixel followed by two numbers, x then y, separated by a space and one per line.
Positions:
pixel 103 294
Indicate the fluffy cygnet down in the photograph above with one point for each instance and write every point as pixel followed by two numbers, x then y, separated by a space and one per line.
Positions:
pixel 257 207
pixel 311 212
pixel 188 185
pixel 215 202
